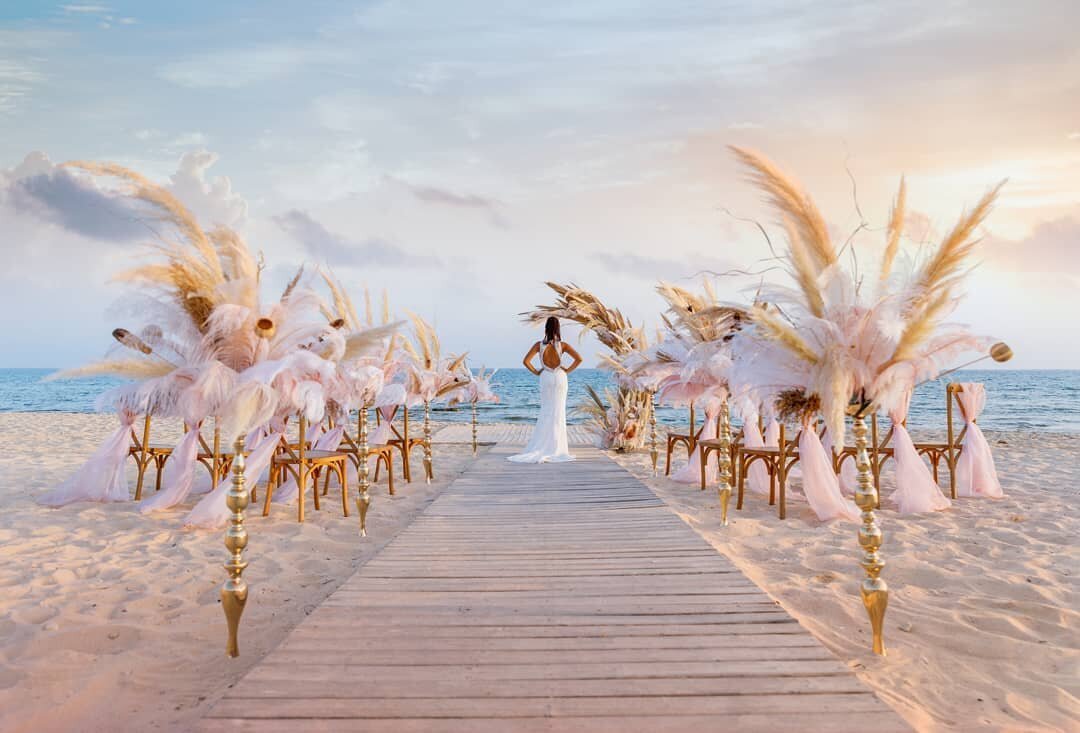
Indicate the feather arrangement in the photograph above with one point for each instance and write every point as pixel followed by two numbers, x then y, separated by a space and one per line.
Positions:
pixel 838 340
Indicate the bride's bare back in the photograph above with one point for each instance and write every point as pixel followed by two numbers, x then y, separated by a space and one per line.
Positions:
pixel 551 356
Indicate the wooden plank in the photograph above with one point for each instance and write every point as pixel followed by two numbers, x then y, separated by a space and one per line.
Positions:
pixel 549 598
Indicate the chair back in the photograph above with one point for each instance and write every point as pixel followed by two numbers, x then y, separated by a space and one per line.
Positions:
pixel 141 444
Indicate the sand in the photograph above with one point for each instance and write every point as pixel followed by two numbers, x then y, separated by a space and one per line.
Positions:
pixel 110 620
pixel 982 628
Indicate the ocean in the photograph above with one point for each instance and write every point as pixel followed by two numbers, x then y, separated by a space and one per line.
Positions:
pixel 1016 399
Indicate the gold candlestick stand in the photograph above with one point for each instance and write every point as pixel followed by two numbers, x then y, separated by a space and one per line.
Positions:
pixel 474 440
pixel 654 452
pixel 725 463
pixel 427 441
pixel 234 592
pixel 363 500
pixel 875 593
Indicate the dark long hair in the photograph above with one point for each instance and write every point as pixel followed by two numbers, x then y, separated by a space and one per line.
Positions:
pixel 552 331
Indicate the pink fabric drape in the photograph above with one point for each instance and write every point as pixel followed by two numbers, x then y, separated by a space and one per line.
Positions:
pixel 330 440
pixel 848 474
pixel 211 511
pixel 691 472
pixel 820 484
pixel 772 434
pixel 975 471
pixel 916 490
pixel 757 476
pixel 102 477
pixel 178 476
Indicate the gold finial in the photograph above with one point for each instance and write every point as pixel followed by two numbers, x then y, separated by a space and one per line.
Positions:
pixel 875 593
pixel 363 501
pixel 1000 352
pixel 234 592
pixel 265 328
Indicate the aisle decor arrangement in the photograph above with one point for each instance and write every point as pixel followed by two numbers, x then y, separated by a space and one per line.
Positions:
pixel 431 377
pixel 836 343
pixel 478 390
pixel 619 416
pixel 210 348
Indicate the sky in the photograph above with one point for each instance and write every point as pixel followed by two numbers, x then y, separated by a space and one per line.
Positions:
pixel 460 154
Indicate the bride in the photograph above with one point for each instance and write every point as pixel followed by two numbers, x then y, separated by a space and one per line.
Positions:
pixel 548 440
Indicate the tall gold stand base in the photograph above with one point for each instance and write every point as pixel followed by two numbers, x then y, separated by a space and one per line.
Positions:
pixel 875 597
pixel 234 592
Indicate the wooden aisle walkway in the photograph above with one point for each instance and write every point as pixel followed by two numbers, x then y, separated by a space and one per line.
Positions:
pixel 549 598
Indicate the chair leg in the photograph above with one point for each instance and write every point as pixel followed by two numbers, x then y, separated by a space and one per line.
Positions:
pixel 742 481
pixel 342 473
pixel 160 466
pixel 702 464
pixel 783 493
pixel 141 466
pixel 390 471
pixel 301 486
pixel 405 464
pixel 271 482
pixel 772 484
pixel 313 474
pixel 667 460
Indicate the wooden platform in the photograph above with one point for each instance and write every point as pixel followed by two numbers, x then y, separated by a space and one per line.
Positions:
pixel 506 434
pixel 561 597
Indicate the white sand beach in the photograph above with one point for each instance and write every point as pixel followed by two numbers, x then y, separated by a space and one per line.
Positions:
pixel 110 619
pixel 982 625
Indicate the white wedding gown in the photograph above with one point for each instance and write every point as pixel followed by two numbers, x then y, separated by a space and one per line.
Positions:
pixel 548 442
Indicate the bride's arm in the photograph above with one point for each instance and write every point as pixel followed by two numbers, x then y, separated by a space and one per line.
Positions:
pixel 567 349
pixel 527 361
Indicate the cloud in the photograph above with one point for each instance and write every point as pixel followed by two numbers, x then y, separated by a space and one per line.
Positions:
pixel 1073 135
pixel 1053 246
pixel 239 67
pixel 17 80
pixel 443 197
pixel 213 200
pixel 51 194
pixel 85 8
pixel 56 195
pixel 661 268
pixel 336 249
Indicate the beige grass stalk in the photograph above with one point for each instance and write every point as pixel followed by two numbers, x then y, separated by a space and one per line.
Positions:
pixel 789 199
pixel 895 232
pixel 775 329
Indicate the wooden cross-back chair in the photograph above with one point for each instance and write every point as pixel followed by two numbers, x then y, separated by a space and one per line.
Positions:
pixel 382 453
pixel 211 456
pixel 302 462
pixel 713 445
pixel 401 440
pixel 935 452
pixel 146 453
pixel 778 463
pixel 688 440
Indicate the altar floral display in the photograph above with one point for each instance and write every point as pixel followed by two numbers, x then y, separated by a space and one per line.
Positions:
pixel 619 416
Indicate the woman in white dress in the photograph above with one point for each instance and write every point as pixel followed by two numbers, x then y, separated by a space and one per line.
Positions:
pixel 548 441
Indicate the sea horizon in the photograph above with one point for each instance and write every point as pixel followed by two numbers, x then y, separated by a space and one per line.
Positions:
pixel 1017 399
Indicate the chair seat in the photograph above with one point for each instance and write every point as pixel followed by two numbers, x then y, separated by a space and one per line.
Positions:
pixel 313 456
